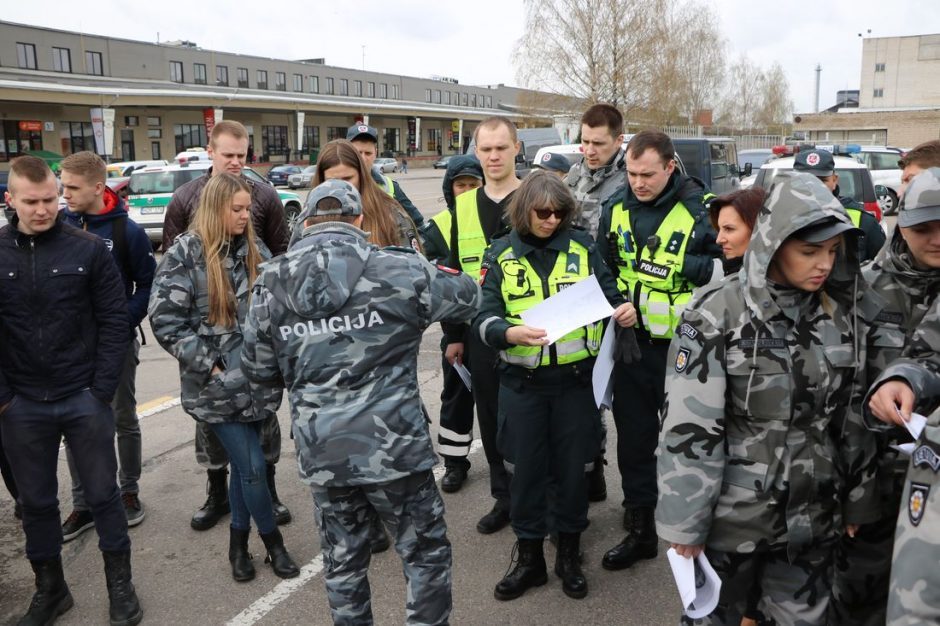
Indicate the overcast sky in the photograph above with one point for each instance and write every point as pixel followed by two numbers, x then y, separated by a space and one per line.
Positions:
pixel 473 41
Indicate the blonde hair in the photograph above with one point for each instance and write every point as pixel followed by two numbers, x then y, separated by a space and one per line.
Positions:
pixel 209 225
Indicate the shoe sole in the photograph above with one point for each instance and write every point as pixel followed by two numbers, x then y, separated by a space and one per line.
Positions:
pixel 75 533
pixel 451 488
pixel 280 520
pixel 133 620
pixel 512 596
pixel 134 521
pixel 616 567
pixel 577 595
pixel 205 525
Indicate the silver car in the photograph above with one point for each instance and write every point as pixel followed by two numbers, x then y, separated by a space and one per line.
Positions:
pixel 386 165
pixel 303 179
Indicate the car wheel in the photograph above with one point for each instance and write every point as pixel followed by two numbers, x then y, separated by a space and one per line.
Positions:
pixel 292 215
pixel 889 203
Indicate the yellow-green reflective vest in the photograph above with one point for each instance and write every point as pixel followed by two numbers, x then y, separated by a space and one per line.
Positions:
pixel 443 220
pixel 855 215
pixel 471 241
pixel 653 279
pixel 523 288
pixel 389 185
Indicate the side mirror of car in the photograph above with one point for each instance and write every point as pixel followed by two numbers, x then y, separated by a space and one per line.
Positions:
pixel 748 169
pixel 881 190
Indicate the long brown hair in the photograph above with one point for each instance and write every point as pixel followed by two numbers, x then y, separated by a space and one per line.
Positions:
pixel 377 206
pixel 540 190
pixel 209 226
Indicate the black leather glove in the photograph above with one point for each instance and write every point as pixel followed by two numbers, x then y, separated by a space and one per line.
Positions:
pixel 626 348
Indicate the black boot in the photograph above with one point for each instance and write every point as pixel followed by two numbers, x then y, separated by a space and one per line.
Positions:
pixel 568 565
pixel 52 597
pixel 281 563
pixel 281 513
pixel 216 506
pixel 124 607
pixel 238 555
pixel 641 541
pixel 529 571
pixel 597 485
pixel 378 538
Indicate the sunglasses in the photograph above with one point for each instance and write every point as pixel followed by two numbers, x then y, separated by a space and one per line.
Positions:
pixel 544 214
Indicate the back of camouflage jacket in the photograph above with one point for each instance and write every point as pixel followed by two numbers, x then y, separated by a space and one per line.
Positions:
pixel 179 313
pixel 338 322
pixel 762 444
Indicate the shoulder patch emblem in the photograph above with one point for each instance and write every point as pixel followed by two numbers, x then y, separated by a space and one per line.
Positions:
pixel 688 331
pixel 925 455
pixel 682 359
pixel 917 502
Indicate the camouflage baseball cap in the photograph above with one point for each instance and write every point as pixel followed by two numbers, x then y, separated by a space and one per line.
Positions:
pixel 815 162
pixel 349 199
pixel 823 230
pixel 921 201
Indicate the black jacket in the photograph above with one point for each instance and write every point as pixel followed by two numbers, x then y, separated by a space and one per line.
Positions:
pixel 63 315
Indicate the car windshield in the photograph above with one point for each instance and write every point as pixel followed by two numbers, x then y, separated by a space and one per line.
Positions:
pixel 310 169
pixel 160 182
pixel 755 157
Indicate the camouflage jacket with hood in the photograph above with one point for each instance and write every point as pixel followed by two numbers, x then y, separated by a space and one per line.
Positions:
pixel 179 313
pixel 592 188
pixel 762 444
pixel 338 322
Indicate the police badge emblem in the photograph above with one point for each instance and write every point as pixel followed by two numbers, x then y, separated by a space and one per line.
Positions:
pixel 682 359
pixel 917 502
pixel 812 159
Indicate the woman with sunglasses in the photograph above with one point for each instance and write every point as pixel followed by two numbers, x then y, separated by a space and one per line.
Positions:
pixel 549 424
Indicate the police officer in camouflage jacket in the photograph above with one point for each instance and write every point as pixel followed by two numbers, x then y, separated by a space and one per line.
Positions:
pixel 763 456
pixel 338 322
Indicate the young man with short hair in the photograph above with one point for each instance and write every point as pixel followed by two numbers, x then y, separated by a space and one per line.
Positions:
pixel 93 207
pixel 600 172
pixel 63 316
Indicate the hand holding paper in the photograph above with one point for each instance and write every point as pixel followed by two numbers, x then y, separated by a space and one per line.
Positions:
pixel 580 304
pixel 698 584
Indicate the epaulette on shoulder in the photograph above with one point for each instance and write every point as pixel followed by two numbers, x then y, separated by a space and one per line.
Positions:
pixel 582 236
pixel 407 249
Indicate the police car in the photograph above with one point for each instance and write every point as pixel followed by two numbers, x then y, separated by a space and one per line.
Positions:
pixel 882 162
pixel 150 190
pixel 855 180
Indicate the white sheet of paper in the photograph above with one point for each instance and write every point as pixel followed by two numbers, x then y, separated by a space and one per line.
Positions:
pixel 602 377
pixel 916 425
pixel 683 570
pixel 907 449
pixel 580 304
pixel 698 584
pixel 464 374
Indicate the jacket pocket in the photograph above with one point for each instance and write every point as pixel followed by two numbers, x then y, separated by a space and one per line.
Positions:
pixel 759 387
pixel 66 280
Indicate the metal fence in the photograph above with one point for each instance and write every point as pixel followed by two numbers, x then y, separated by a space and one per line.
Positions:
pixel 743 142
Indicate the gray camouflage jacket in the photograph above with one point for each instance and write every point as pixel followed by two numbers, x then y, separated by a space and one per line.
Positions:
pixel 591 188
pixel 338 322
pixel 179 310
pixel 762 444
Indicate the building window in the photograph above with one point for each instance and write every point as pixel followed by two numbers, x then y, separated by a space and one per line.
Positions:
pixel 261 78
pixel 879 67
pixel 26 56
pixel 370 90
pixel 446 97
pixel 456 98
pixel 473 99
pixel 155 133
pixel 176 71
pixel 434 140
pixel 153 121
pixel 357 88
pixel 298 82
pixel 280 81
pixel 335 132
pixel 383 91
pixel 427 95
pixel 93 64
pixel 329 86
pixel 879 93
pixel 243 77
pixel 311 139
pixel 221 75
pixel 274 140
pixel 189 136
pixel 314 84
pixel 343 87
pixel 464 99
pixel 396 94
pixel 61 60
pixel 131 120
pixel 199 73
pixel 81 136
pixel 391 139
pixel 437 96
pixel 155 150
pixel 489 102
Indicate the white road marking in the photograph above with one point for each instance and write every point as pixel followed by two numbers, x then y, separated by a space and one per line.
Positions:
pixel 266 603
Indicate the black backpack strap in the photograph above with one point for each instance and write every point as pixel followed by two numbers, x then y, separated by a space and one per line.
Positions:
pixel 123 255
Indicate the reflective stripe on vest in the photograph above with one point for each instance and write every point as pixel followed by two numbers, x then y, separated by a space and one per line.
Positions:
pixel 443 220
pixel 389 186
pixel 523 288
pixel 471 241
pixel 855 215
pixel 653 280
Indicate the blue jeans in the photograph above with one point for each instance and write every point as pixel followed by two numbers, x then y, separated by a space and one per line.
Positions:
pixel 248 486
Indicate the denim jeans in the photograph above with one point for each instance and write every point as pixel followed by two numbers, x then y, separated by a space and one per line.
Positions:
pixel 248 487
pixel 31 435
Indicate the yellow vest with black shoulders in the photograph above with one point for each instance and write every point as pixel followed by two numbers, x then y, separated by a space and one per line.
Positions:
pixel 523 288
pixel 471 240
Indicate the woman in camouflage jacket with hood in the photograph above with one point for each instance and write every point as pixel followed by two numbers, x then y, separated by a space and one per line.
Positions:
pixel 763 456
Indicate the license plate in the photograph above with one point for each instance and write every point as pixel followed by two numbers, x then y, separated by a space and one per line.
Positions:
pixel 151 210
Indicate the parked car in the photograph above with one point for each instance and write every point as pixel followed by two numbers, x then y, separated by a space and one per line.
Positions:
pixel 441 163
pixel 191 154
pixel 279 174
pixel 150 190
pixel 882 162
pixel 755 156
pixel 304 178
pixel 714 160
pixel 124 168
pixel 119 186
pixel 386 165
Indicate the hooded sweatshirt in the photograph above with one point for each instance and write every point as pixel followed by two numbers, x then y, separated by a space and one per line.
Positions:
pixel 762 445
pixel 338 322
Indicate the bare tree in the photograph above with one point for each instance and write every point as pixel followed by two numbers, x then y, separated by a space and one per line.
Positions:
pixel 742 94
pixel 775 106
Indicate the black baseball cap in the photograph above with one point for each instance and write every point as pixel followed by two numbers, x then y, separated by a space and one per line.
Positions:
pixel 358 130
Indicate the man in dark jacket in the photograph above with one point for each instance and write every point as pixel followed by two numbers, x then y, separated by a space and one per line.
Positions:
pixel 228 149
pixel 64 329
pixel 93 207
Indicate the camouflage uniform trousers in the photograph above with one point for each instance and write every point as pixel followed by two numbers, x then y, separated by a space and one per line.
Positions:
pixel 413 511
pixel 791 593
pixel 211 455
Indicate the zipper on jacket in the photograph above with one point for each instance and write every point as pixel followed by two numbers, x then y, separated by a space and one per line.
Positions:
pixel 32 266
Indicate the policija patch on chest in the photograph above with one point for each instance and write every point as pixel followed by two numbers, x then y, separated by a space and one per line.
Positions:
pixel 917 502
pixel 652 269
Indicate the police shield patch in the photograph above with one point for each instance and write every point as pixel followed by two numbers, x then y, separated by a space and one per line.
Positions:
pixel 682 359
pixel 917 503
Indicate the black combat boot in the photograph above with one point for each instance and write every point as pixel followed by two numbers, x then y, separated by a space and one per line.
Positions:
pixel 281 563
pixel 597 485
pixel 281 513
pixel 52 597
pixel 641 541
pixel 568 565
pixel 216 506
pixel 124 608
pixel 238 555
pixel 529 571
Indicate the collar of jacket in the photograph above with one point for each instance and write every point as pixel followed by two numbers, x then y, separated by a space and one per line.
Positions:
pixel 559 241
pixel 22 239
pixel 665 201
pixel 896 259
pixel 330 231
pixel 617 162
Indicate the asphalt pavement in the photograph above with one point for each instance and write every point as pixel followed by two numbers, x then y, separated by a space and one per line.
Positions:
pixel 183 576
